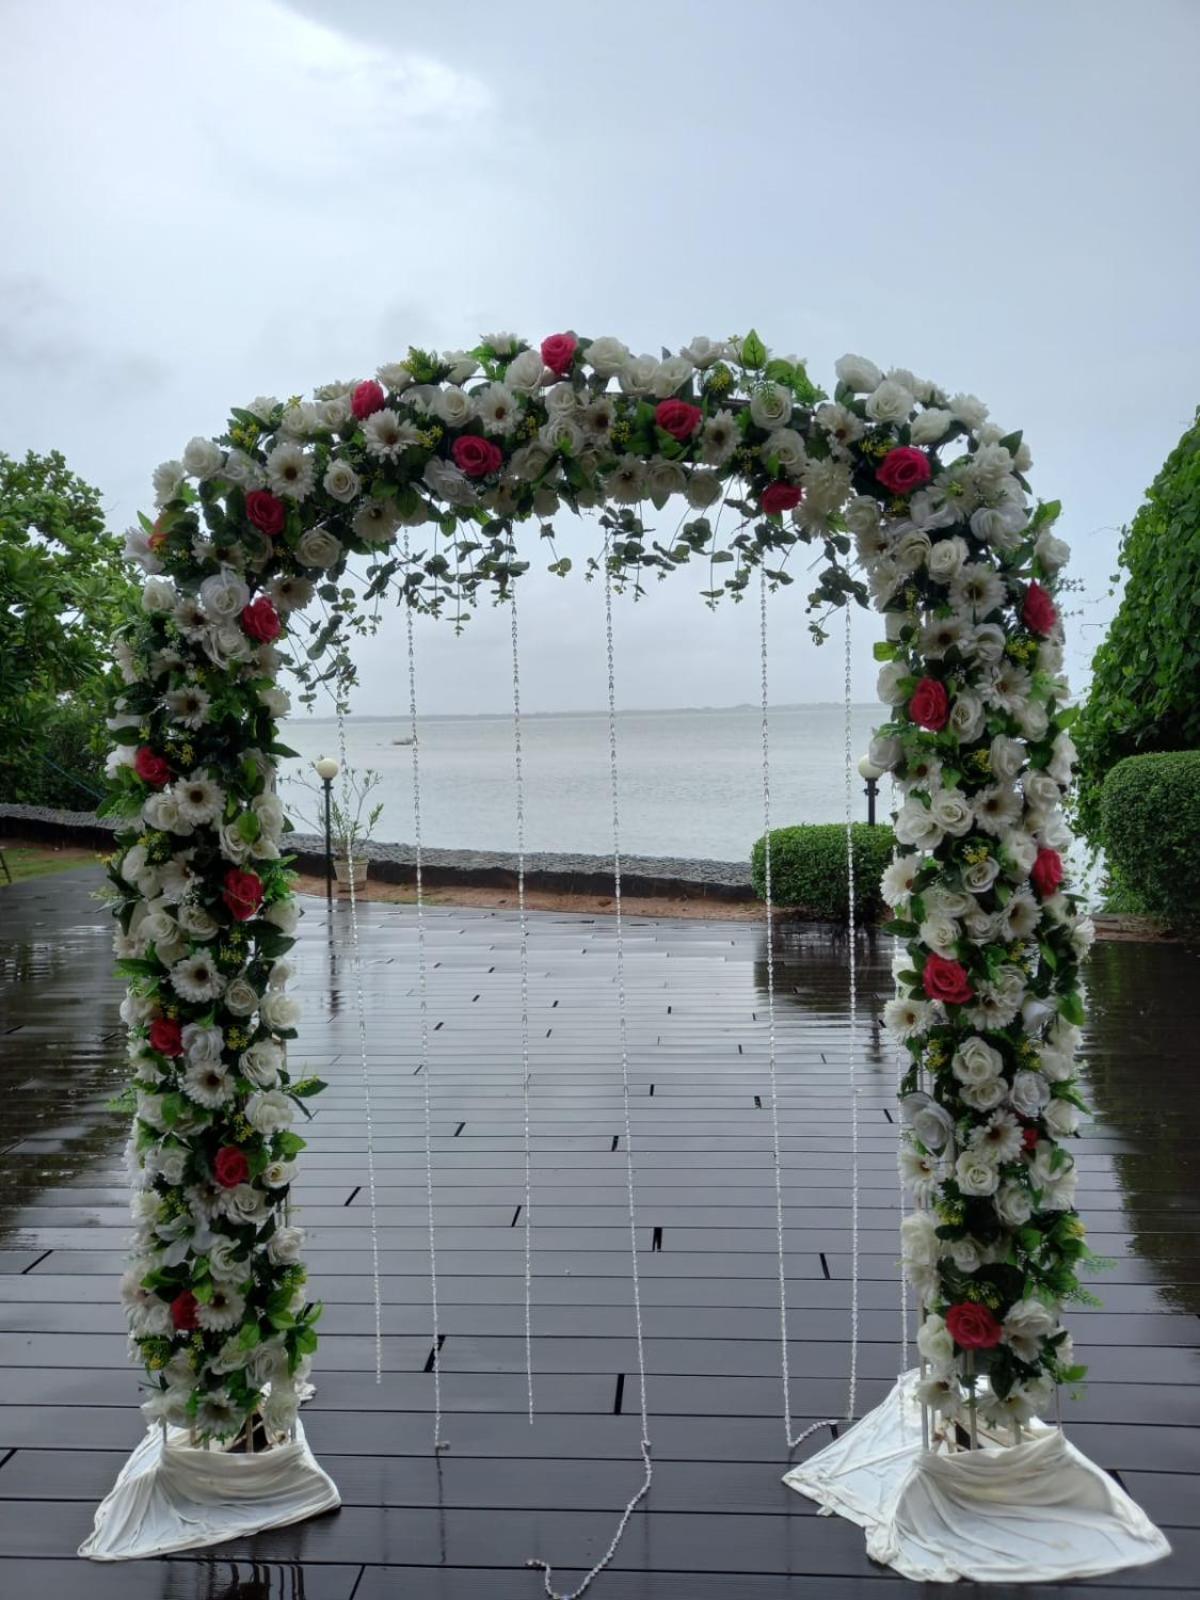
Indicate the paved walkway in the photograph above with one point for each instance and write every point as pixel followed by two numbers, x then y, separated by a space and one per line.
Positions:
pixel 719 1525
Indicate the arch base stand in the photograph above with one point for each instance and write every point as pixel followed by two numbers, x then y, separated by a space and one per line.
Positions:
pixel 1034 1512
pixel 172 1496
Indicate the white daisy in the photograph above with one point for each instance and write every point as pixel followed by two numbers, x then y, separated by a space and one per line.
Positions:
pixel 906 1018
pixel 898 879
pixel 1007 688
pixel 387 436
pixel 223 1311
pixel 188 706
pixel 290 592
pixel 598 417
pixel 720 439
pixel 196 978
pixel 919 1173
pixel 290 471
pixel 218 1416
pixel 199 798
pixel 375 521
pixel 497 408
pixel 1021 916
pixel 977 589
pixel 941 634
pixel 999 1137
pixel 997 808
pixel 626 483
pixel 208 1083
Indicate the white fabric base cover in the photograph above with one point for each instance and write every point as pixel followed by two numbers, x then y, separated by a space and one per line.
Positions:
pixel 173 1496
pixel 1033 1512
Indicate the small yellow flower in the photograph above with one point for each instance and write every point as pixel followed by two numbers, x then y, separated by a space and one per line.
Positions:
pixel 619 433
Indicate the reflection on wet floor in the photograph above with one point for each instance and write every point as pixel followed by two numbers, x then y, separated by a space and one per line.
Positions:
pixel 698 1065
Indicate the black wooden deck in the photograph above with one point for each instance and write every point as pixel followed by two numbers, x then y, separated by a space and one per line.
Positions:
pixel 718 1522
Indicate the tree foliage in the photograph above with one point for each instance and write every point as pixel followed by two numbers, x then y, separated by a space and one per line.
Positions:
pixel 64 586
pixel 1145 693
pixel 1151 825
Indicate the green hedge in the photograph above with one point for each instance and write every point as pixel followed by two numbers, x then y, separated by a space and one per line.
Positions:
pixel 808 868
pixel 1150 827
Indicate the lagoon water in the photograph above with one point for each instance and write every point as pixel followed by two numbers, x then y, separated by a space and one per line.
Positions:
pixel 690 781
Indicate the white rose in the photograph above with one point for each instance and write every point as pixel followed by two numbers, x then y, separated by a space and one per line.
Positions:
pixel 261 1063
pixel 241 997
pixel 1062 1118
pixel 981 875
pixel 946 558
pixel 202 1044
pixel 975 1061
pixel 930 426
pixel 158 596
pixel 1020 852
pixel 885 750
pixel 280 1011
pixel 919 1243
pixel 787 447
pixel 771 407
pixel 341 482
pixel 1033 719
pixel 277 701
pixel 224 596
pixel 703 488
pixel 862 514
pixel 454 406
pixel 935 1344
pixel 1051 552
pixel 286 1246
pixel 202 457
pixel 1007 757
pixel 671 375
pixel 171 1160
pixel 461 363
pixel 284 914
pixel 969 410
pixel 857 373
pixel 269 1110
pixel 525 372
pixel 318 548
pixel 1041 791
pixel 966 716
pixel 888 683
pixel 168 477
pixel 639 375
pixel 663 479
pixel 940 933
pixel 915 826
pixel 890 402
pixel 911 550
pixel 988 641
pixel 1030 1094
pixel 560 400
pixel 606 356
pixel 1014 1206
pixel 952 812
pixel 975 1174
pixel 705 353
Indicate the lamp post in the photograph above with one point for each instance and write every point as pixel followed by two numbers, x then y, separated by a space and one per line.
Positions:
pixel 872 773
pixel 327 770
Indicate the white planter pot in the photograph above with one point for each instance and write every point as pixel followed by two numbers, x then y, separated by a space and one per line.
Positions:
pixel 341 871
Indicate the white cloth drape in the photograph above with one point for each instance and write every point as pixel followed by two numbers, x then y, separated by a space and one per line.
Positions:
pixel 172 1496
pixel 1035 1512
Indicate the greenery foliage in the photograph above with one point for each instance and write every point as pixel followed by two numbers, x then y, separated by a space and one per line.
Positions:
pixel 1150 819
pixel 809 868
pixel 348 800
pixel 64 587
pixel 1145 693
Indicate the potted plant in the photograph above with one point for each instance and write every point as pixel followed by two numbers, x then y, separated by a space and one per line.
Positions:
pixel 352 820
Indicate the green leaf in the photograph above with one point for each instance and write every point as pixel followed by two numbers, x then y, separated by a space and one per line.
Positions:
pixel 754 351
pixel 882 650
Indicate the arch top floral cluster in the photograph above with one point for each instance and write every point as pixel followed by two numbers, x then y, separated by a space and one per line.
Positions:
pixel 254 526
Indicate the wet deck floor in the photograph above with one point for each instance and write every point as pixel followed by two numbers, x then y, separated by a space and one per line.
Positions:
pixel 718 1522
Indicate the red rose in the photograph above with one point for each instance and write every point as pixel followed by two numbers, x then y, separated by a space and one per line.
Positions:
pixel 266 511
pixel 558 352
pixel 1029 1139
pixel 231 1167
pixel 476 457
pixel 150 767
pixel 1039 613
pixel 904 469
pixel 777 497
pixel 166 1036
pixel 930 705
pixel 261 620
pixel 946 980
pixel 678 418
pixel 1047 874
pixel 367 398
pixel 243 893
pixel 183 1312
pixel 973 1327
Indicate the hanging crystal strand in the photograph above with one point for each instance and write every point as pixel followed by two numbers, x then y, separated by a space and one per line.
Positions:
pixel 630 1184
pixel 518 762
pixel 361 1008
pixel 852 1084
pixel 423 1002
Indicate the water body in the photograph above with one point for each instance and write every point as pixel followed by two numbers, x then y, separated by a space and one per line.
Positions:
pixel 691 782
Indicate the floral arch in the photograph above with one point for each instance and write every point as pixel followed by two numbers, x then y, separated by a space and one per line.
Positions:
pixel 467 450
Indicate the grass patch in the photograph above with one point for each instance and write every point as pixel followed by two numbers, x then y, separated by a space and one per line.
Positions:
pixel 42 861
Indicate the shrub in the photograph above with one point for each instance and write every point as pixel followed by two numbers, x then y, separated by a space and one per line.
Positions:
pixel 1150 829
pixel 61 763
pixel 808 868
pixel 1144 695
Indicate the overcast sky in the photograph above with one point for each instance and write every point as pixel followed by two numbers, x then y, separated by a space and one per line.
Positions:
pixel 210 199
